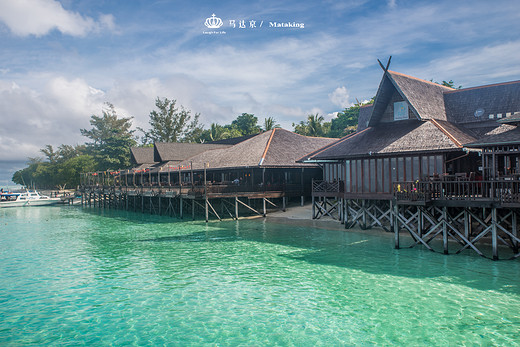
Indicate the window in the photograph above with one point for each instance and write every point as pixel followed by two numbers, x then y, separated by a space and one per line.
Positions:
pixel 400 110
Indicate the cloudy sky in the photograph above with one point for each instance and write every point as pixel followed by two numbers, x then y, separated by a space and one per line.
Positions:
pixel 60 60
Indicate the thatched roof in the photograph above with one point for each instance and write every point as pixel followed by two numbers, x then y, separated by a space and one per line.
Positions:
pixel 177 151
pixel 142 155
pixel 274 148
pixel 397 137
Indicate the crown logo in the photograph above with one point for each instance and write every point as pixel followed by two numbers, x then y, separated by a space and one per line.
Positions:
pixel 213 22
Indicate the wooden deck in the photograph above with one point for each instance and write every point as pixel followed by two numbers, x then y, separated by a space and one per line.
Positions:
pixel 505 193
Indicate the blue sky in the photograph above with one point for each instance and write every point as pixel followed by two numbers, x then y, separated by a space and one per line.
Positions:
pixel 61 60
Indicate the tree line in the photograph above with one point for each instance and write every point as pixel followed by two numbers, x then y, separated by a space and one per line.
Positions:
pixel 111 136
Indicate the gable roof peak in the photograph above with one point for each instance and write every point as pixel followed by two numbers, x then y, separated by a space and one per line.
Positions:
pixel 448 89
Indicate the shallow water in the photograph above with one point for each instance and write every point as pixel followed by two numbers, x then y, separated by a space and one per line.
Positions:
pixel 71 276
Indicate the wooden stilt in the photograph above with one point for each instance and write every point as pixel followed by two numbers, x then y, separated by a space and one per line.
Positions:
pixel 445 229
pixel 396 225
pixel 494 241
pixel 206 209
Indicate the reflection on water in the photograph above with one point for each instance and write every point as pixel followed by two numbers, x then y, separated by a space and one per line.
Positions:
pixel 73 276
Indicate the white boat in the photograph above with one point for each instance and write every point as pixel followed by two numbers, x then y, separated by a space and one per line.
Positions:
pixel 27 198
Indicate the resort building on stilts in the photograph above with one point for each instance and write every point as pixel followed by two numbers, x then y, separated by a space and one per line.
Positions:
pixel 222 179
pixel 439 164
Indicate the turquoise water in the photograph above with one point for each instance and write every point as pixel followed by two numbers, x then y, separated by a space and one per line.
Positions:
pixel 72 276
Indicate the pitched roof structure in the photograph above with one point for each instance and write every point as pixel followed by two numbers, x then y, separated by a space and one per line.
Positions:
pixel 508 135
pixel 484 104
pixel 178 151
pixel 424 96
pixel 364 116
pixel 476 107
pixel 274 148
pixel 398 137
pixel 439 119
pixel 142 155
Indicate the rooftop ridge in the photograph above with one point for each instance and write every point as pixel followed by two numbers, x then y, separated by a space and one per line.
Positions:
pixel 421 80
pixel 337 142
pixel 480 87
pixel 446 132
pixel 266 147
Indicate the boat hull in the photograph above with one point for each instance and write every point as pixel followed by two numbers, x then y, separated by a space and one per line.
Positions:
pixel 35 202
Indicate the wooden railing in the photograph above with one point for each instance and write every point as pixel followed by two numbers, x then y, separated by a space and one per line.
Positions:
pixel 200 189
pixel 319 186
pixel 504 191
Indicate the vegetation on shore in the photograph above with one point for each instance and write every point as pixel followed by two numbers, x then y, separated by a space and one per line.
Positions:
pixel 111 137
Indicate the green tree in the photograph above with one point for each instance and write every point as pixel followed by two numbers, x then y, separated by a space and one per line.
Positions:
pixel 112 139
pixel 346 121
pixel 247 124
pixel 314 126
pixel 171 124
pixel 270 123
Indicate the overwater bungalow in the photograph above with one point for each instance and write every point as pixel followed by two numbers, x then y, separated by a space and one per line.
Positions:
pixel 249 172
pixel 431 160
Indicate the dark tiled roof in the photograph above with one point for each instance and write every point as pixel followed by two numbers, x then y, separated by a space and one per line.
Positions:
pixel 502 98
pixel 141 155
pixel 364 116
pixel 512 119
pixel 424 96
pixel 178 151
pixel 276 147
pixel 393 138
pixel 508 135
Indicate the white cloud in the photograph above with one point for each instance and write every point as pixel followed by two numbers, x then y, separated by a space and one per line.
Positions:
pixel 53 115
pixel 39 17
pixel 501 62
pixel 340 97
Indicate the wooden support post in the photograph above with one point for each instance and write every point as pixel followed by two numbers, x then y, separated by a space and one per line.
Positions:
pixel 206 208
pixel 364 215
pixel 445 229
pixel 514 230
pixel 302 200
pixel 264 209
pixel 420 221
pixel 494 240
pixel 313 207
pixel 346 214
pixel 236 208
pixel 466 223
pixel 193 209
pixel 180 207
pixel 283 203
pixel 395 217
pixel 159 203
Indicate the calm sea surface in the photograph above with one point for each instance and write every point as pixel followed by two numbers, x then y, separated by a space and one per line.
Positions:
pixel 72 276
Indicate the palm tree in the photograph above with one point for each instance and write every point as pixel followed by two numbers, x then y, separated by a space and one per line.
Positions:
pixel 270 124
pixel 217 132
pixel 315 125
